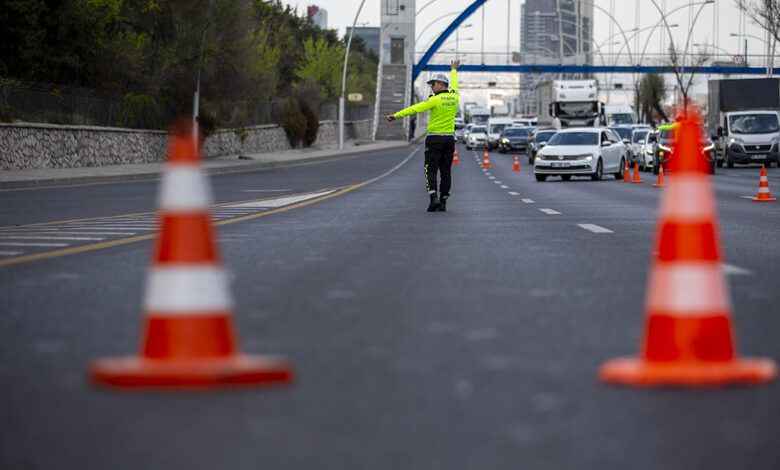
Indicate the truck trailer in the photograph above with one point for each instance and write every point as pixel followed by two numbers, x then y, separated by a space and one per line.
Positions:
pixel 569 103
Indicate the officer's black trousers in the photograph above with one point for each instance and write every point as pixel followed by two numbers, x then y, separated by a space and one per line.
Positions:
pixel 438 158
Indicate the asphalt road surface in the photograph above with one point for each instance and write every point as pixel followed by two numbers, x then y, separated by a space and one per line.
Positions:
pixel 462 340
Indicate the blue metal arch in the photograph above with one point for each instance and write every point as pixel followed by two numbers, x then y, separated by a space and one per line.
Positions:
pixel 531 68
pixel 423 64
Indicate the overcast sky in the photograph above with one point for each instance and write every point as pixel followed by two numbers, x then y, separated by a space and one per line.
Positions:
pixel 341 13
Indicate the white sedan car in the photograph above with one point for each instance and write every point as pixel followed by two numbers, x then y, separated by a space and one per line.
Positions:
pixel 589 152
pixel 477 137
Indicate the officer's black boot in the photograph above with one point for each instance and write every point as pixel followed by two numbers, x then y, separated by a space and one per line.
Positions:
pixel 434 205
pixel 443 204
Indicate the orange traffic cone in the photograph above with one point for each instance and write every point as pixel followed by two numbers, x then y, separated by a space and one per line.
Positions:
pixel 188 340
pixel 455 157
pixel 486 160
pixel 688 338
pixel 635 178
pixel 660 181
pixel 626 171
pixel 763 188
pixel 516 164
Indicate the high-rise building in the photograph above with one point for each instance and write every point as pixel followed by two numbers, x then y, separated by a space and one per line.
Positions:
pixel 550 33
pixel 318 16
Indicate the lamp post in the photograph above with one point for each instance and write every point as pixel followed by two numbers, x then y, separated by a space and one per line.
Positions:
pixel 769 59
pixel 342 103
pixel 196 95
pixel 457 38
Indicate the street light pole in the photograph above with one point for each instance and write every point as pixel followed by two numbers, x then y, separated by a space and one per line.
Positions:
pixel 342 103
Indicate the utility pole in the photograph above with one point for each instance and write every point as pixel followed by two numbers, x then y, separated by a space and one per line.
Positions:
pixel 482 54
pixel 342 101
pixel 508 28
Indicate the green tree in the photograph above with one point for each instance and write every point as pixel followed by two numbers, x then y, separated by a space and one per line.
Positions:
pixel 322 64
pixel 652 93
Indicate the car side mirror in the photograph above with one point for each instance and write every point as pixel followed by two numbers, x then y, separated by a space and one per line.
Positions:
pixel 606 143
pixel 626 141
pixel 542 144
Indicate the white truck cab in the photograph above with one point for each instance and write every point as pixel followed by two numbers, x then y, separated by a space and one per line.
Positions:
pixel 495 126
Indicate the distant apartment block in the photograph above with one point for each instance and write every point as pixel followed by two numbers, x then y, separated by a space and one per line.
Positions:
pixel 318 16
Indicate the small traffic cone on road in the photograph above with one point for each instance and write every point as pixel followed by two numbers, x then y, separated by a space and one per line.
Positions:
pixel 688 338
pixel 626 175
pixel 635 178
pixel 516 165
pixel 455 157
pixel 486 160
pixel 763 188
pixel 660 181
pixel 188 340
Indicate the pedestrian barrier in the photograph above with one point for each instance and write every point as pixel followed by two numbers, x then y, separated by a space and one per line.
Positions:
pixel 636 178
pixel 659 183
pixel 626 171
pixel 189 339
pixel 455 157
pixel 763 194
pixel 516 164
pixel 688 336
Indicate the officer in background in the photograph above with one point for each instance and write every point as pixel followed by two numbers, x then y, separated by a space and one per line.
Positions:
pixel 440 142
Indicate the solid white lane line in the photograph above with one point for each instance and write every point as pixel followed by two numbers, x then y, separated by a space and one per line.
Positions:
pixel 35 237
pixel 115 227
pixel 550 211
pixel 58 232
pixel 265 190
pixel 595 228
pixel 730 269
pixel 10 253
pixel 514 193
pixel 33 244
pixel 527 201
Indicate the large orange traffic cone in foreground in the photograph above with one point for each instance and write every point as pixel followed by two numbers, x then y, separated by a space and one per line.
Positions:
pixel 763 188
pixel 688 338
pixel 635 178
pixel 455 157
pixel 188 339
pixel 659 183
pixel 516 164
pixel 626 171
pixel 486 160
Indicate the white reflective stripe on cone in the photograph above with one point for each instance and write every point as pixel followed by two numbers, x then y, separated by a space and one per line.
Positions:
pixel 184 188
pixel 688 289
pixel 763 189
pixel 187 289
pixel 688 198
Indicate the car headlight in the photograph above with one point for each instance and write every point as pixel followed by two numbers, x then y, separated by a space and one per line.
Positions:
pixel 505 140
pixel 541 156
pixel 736 140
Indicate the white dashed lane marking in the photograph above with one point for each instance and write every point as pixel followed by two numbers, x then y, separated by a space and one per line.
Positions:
pixel 50 245
pixel 527 201
pixel 595 228
pixel 730 269
pixel 491 177
pixel 36 237
pixel 10 253
pixel 550 211
pixel 512 193
pixel 504 187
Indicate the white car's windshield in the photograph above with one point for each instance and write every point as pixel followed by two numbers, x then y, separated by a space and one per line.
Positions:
pixel 516 132
pixel 623 132
pixel 574 138
pixel 478 130
pixel 544 136
pixel 754 124
pixel 497 128
pixel 638 136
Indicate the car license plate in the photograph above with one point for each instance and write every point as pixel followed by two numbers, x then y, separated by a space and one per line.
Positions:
pixel 759 157
pixel 560 164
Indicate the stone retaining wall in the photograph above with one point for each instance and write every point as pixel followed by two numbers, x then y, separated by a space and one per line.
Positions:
pixel 27 146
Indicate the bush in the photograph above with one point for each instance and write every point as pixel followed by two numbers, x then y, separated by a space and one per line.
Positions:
pixel 312 124
pixel 294 122
pixel 140 111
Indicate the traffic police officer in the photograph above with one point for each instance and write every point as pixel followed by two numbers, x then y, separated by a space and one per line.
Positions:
pixel 440 142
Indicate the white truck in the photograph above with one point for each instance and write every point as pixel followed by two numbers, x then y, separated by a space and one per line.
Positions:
pixel 619 114
pixel 569 103
pixel 743 120
pixel 496 126
pixel 477 115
